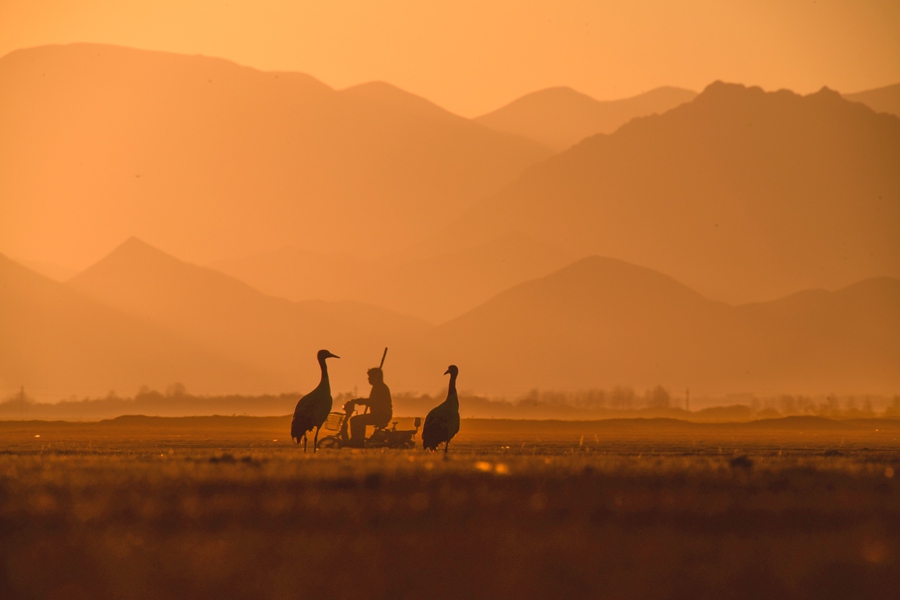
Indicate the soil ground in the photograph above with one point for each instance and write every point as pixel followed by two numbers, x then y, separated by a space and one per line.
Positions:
pixel 228 507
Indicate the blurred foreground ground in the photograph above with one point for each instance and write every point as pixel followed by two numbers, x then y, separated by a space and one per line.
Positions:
pixel 226 507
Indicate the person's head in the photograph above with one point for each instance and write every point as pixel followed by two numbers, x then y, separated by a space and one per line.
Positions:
pixel 376 375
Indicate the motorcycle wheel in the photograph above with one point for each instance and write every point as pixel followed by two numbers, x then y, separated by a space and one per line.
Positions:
pixel 329 442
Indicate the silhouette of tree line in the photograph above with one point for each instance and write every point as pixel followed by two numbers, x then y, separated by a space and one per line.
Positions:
pixel 176 400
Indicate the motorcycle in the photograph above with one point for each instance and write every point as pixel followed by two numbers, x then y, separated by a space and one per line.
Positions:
pixel 382 437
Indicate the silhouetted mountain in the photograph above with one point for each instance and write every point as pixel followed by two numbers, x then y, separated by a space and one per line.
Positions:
pixel 601 322
pixel 447 284
pixel 863 320
pixel 379 92
pixel 597 323
pixel 301 274
pixel 212 159
pixel 225 315
pixel 410 286
pixel 886 99
pixel 51 270
pixel 560 117
pixel 744 195
pixel 58 342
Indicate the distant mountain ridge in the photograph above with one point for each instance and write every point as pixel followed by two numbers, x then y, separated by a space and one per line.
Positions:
pixel 885 99
pixel 226 316
pixel 162 146
pixel 141 316
pixel 728 200
pixel 392 96
pixel 561 117
pixel 603 320
pixel 742 194
pixel 58 342
pixel 414 286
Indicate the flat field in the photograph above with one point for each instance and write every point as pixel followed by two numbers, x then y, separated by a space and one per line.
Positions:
pixel 227 507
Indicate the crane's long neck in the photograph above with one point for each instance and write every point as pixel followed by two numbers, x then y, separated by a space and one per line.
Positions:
pixel 452 398
pixel 324 383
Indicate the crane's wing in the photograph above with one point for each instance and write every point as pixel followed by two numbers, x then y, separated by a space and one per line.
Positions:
pixel 321 409
pixel 452 424
pixel 437 427
pixel 303 416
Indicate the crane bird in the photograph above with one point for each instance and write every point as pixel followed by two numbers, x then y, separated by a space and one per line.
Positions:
pixel 442 423
pixel 313 408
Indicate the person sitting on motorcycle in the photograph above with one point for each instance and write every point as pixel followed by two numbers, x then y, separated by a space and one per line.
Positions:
pixel 380 409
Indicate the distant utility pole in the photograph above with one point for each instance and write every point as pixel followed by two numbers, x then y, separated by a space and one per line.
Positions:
pixel 687 399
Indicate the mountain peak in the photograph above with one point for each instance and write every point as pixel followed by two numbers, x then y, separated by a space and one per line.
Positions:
pixel 133 261
pixel 595 280
pixel 135 250
pixel 622 274
pixel 720 90
pixel 557 94
pixel 136 243
pixel 559 117
pixel 390 95
pixel 827 94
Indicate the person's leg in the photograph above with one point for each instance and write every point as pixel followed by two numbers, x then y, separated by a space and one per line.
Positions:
pixel 357 430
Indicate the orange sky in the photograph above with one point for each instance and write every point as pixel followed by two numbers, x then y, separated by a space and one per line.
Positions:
pixel 473 56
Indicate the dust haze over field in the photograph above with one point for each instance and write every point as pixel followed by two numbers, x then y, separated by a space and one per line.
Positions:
pixel 660 241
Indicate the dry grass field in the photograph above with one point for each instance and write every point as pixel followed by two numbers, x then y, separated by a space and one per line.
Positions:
pixel 226 507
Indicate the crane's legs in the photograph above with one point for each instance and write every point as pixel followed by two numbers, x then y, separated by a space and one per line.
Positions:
pixel 446 446
pixel 316 441
pixel 304 442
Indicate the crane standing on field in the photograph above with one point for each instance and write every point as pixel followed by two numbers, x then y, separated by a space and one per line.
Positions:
pixel 442 423
pixel 313 408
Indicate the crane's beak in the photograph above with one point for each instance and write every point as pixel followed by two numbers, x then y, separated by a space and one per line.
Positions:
pixel 447 372
pixel 330 355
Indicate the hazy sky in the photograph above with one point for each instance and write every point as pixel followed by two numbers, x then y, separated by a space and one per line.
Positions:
pixel 472 56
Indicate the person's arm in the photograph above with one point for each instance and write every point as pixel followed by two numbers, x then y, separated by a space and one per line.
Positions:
pixel 353 403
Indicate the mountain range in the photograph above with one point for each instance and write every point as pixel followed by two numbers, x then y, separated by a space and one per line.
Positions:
pixel 742 194
pixel 885 99
pixel 604 320
pixel 214 160
pixel 561 117
pixel 368 217
pixel 414 286
pixel 229 318
pixel 58 342
pixel 141 315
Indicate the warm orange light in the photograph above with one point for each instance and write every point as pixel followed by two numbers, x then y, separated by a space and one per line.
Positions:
pixel 472 56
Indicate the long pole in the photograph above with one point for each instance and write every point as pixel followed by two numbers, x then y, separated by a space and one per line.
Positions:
pixel 382 358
